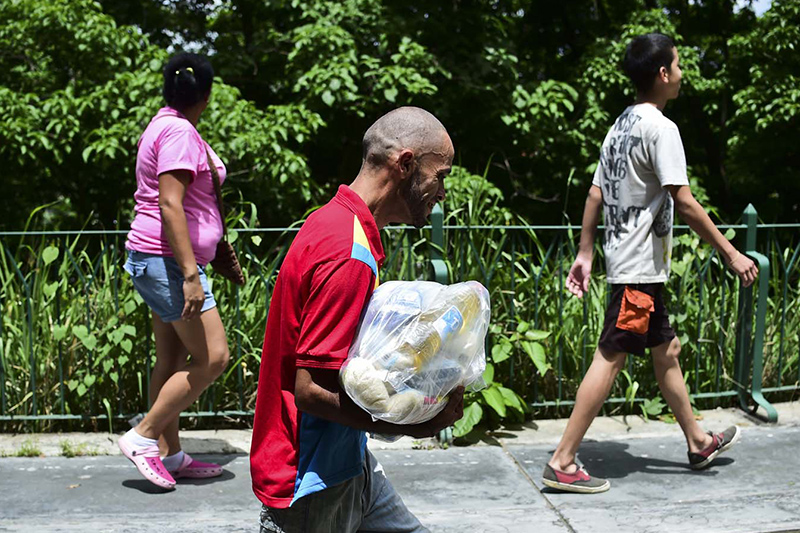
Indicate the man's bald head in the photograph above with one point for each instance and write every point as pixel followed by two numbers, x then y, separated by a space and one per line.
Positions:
pixel 410 128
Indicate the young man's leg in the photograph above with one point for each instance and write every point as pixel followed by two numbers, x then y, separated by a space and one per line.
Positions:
pixel 670 380
pixel 703 447
pixel 592 392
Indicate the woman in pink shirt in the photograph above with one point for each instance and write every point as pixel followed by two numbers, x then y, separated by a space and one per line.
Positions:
pixel 173 236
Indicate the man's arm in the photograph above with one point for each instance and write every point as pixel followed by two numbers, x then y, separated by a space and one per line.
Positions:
pixel 696 217
pixel 317 392
pixel 579 274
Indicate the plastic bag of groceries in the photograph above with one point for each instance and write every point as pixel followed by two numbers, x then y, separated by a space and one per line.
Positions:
pixel 417 341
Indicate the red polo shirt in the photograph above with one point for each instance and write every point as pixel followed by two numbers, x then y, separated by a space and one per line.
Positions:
pixel 325 282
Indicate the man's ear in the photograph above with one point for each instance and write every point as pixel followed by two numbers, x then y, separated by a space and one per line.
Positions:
pixel 663 74
pixel 405 163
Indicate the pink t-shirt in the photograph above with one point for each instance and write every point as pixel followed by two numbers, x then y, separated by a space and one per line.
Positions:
pixel 170 142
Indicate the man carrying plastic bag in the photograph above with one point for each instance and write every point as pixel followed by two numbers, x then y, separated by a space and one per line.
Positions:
pixel 308 461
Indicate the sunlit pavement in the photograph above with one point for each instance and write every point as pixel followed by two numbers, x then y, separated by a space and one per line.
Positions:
pixel 491 487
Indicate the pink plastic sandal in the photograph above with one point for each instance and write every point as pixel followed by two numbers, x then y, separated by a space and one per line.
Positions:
pixel 192 468
pixel 148 462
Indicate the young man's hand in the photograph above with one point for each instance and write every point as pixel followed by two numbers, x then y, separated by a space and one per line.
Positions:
pixel 452 412
pixel 745 268
pixel 579 274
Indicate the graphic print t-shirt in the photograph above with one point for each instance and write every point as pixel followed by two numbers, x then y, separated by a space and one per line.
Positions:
pixel 642 153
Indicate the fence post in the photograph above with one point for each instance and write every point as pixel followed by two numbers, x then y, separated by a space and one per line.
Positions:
pixel 752 356
pixel 439 271
pixel 744 331
pixel 440 274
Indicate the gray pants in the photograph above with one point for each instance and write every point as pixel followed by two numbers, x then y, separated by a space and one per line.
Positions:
pixel 365 504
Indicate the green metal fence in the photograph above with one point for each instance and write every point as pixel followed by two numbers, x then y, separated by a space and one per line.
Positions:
pixel 75 339
pixel 736 342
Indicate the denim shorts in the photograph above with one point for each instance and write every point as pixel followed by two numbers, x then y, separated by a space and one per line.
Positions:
pixel 159 281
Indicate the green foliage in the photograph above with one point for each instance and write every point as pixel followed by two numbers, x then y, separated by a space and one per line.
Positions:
pixel 473 413
pixel 28 448
pixel 76 92
pixel 763 154
pixel 70 315
pixel 532 87
pixel 495 402
pixel 68 449
pixel 472 200
pixel 631 388
pixel 329 63
pixel 653 407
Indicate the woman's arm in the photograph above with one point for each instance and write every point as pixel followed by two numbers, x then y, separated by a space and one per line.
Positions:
pixel 171 191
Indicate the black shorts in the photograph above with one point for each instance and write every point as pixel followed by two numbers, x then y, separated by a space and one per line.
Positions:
pixel 636 319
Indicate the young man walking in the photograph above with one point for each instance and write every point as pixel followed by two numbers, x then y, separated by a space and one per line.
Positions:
pixel 310 466
pixel 639 181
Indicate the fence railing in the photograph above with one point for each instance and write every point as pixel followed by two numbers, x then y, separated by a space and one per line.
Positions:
pixel 736 342
pixel 76 340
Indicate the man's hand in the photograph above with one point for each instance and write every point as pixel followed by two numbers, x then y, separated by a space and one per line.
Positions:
pixel 579 274
pixel 453 411
pixel 745 268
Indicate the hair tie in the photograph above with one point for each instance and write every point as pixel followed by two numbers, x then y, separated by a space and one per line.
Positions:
pixel 188 69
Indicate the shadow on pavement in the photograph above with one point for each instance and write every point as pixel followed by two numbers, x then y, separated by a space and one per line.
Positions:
pixel 610 459
pixel 142 485
pixel 226 475
pixel 481 434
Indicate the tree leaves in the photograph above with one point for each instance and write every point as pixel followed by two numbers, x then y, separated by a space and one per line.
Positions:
pixel 79 104
pixel 537 354
pixel 494 399
pixel 472 415
pixel 49 254
pixel 315 73
pixel 501 351
pixel 390 94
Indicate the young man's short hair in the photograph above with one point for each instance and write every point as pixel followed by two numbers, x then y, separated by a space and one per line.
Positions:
pixel 644 57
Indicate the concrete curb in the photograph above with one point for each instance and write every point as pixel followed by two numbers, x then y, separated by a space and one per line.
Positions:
pixel 237 441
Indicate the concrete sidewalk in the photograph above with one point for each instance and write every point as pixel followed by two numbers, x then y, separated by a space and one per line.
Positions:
pixel 493 486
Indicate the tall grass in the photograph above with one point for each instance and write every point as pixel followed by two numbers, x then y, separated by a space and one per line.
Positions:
pixel 76 340
pixel 525 270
